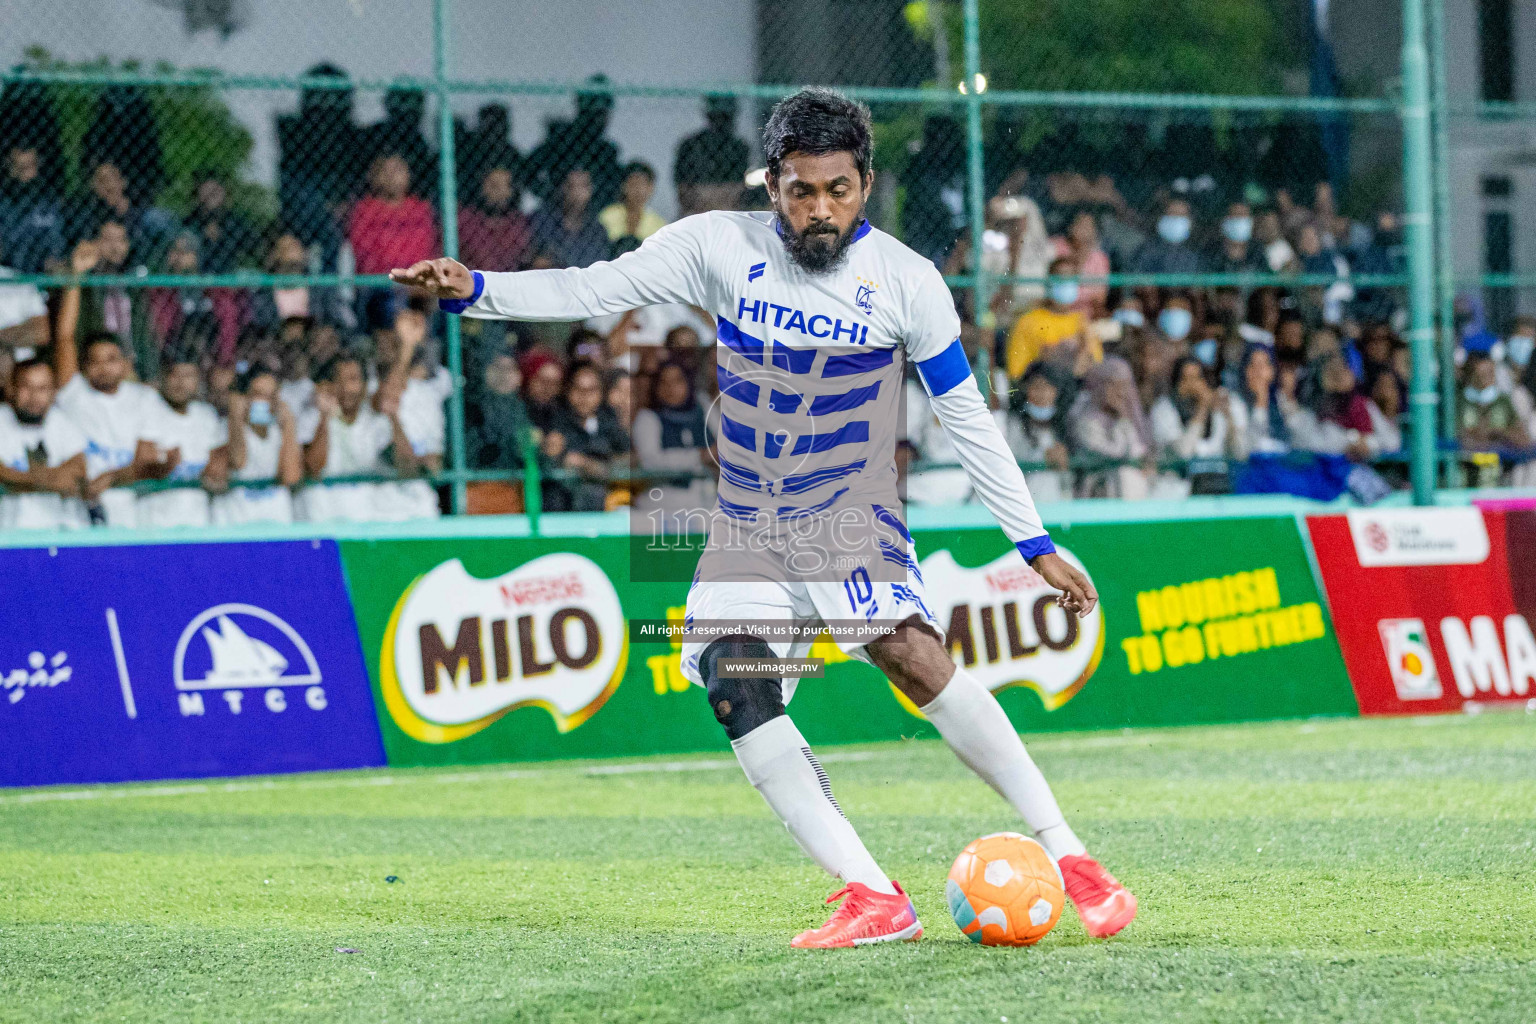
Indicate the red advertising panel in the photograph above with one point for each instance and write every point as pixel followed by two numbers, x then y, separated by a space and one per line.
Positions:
pixel 1433 607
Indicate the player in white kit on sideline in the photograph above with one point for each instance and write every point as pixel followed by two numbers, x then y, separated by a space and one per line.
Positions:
pixel 814 310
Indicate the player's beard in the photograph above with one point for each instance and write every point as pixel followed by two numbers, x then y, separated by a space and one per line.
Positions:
pixel 821 248
pixel 28 419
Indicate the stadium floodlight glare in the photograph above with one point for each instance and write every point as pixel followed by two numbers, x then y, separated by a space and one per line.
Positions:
pixel 756 177
pixel 981 85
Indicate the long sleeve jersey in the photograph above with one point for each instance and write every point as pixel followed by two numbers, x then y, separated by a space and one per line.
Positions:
pixel 810 365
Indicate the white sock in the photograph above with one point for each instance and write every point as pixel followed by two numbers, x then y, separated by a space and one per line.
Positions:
pixel 976 728
pixel 780 765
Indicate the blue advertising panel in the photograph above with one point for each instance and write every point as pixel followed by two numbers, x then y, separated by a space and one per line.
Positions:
pixel 178 661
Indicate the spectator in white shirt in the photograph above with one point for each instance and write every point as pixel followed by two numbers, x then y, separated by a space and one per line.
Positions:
pixel 1193 422
pixel 42 456
pixel 187 440
pixel 113 412
pixel 23 312
pixel 1037 434
pixel 263 445
pixel 420 404
pixel 347 435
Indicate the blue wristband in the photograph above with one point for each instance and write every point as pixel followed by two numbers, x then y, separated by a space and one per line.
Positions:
pixel 460 305
pixel 1035 547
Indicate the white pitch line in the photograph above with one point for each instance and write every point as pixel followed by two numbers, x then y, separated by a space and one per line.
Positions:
pixel 122 664
pixel 634 768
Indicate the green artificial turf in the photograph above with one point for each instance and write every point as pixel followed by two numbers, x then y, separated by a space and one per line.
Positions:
pixel 1334 870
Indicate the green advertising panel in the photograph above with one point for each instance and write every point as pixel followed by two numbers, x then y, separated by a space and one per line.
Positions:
pixel 495 649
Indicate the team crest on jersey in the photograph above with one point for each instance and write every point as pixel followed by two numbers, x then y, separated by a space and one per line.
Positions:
pixel 864 297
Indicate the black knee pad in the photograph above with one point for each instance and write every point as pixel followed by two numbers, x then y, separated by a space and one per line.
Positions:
pixel 741 704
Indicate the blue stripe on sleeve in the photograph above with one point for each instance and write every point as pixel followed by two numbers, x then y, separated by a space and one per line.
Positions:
pixel 945 370
pixel 460 305
pixel 1036 546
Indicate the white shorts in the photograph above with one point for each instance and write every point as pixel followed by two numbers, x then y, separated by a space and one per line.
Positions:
pixel 882 595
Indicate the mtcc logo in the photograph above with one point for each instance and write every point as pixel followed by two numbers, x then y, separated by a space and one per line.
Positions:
pixel 233 648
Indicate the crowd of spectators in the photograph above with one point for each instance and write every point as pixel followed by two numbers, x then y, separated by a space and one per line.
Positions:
pixel 294 401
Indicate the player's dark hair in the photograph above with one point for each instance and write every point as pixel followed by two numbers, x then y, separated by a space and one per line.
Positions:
pixel 818 121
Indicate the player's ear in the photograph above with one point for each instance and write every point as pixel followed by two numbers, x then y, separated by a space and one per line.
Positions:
pixel 771 183
pixel 869 182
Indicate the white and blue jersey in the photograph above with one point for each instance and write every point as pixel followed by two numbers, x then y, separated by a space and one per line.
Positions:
pixel 810 365
pixel 811 370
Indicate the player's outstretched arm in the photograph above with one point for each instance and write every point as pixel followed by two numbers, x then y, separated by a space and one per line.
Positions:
pixel 669 266
pixel 441 278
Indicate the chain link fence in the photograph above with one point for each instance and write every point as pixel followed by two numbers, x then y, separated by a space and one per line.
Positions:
pixel 1201 159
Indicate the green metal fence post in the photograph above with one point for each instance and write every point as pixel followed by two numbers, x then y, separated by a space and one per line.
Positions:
pixel 1419 236
pixel 449 205
pixel 1440 111
pixel 981 292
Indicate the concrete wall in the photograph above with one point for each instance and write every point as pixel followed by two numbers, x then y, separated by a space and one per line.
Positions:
pixel 671 42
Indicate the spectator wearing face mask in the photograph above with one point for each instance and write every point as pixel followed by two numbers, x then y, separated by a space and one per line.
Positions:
pixel 1236 253
pixel 1081 245
pixel 1485 415
pixel 262 445
pixel 347 435
pixel 1054 330
pixel 113 412
pixel 42 456
pixel 1511 360
pixel 1170 252
pixel 1176 319
pixel 1036 433
pixel 671 436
